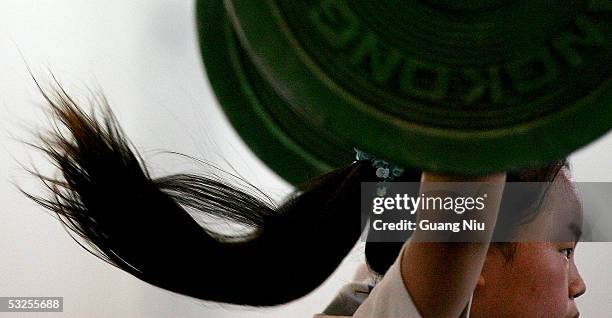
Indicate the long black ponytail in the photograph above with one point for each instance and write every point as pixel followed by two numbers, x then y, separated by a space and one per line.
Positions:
pixel 111 205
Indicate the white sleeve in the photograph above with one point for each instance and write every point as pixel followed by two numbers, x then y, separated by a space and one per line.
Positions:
pixel 389 298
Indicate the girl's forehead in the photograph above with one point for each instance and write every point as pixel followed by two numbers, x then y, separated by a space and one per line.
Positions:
pixel 565 187
pixel 559 217
pixel 563 207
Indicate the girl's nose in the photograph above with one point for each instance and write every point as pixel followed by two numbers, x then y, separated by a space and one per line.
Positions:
pixel 577 285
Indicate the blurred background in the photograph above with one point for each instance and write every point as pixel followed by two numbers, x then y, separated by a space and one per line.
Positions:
pixel 144 56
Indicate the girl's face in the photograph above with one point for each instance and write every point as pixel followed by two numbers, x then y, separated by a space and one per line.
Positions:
pixel 542 279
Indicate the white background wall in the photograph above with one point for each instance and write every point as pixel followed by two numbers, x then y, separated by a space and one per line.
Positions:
pixel 144 55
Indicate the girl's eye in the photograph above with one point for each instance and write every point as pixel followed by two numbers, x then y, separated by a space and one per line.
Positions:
pixel 567 252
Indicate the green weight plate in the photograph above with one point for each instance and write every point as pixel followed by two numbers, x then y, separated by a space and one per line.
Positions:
pixel 467 87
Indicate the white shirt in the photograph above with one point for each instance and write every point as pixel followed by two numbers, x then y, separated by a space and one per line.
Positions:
pixel 389 298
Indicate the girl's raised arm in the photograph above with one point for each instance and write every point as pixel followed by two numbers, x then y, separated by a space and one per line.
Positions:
pixel 441 276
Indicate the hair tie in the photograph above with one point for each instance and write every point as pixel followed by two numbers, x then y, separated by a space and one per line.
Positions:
pixel 384 170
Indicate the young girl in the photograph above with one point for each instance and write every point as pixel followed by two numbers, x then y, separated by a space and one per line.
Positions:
pixel 528 279
pixel 146 227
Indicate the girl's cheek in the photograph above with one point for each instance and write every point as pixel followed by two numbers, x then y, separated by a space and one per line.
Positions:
pixel 556 270
pixel 546 282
